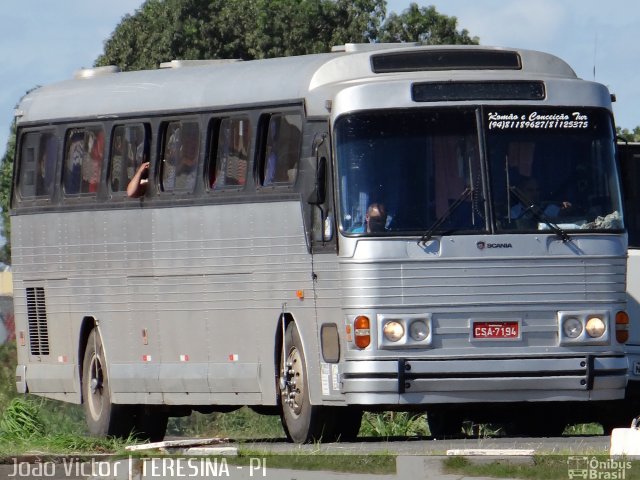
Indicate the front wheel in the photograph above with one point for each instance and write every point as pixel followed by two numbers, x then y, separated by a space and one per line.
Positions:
pixel 302 422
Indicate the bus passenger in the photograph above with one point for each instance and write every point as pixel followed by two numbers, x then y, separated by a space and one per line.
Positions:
pixel 375 219
pixel 138 184
pixel 185 168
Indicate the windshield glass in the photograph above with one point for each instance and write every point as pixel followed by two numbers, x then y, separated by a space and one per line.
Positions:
pixel 552 166
pixel 406 171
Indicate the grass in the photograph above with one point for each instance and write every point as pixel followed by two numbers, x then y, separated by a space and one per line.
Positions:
pixel 584 429
pixel 7 374
pixel 544 467
pixel 34 424
pixel 346 463
pixel 241 424
pixel 393 424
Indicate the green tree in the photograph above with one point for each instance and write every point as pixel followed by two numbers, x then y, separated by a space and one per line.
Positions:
pixel 627 135
pixel 163 30
pixel 424 25
pixel 6 174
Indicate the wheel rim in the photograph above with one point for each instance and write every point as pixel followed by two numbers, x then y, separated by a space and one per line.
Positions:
pixel 294 385
pixel 95 398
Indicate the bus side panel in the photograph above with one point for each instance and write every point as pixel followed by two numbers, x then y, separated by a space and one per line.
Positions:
pixel 42 296
pixel 187 299
pixel 329 295
pixel 633 308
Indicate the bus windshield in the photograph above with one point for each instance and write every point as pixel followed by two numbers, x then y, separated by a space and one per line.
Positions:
pixel 553 166
pixel 422 166
pixel 408 172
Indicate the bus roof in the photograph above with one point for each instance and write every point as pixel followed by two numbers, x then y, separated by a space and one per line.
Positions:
pixel 313 79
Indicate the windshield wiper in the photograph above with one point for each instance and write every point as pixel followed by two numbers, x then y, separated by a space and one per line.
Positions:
pixel 429 233
pixel 538 213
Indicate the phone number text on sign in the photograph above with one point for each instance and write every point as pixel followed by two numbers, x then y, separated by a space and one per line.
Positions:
pixel 535 120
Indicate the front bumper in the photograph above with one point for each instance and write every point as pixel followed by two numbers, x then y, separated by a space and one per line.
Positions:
pixel 408 381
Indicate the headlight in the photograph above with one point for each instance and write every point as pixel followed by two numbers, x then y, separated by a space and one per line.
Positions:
pixel 595 327
pixel 419 330
pixel 393 331
pixel 584 327
pixel 572 327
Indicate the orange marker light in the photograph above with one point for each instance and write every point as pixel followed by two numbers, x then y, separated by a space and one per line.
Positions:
pixel 300 294
pixel 622 327
pixel 362 330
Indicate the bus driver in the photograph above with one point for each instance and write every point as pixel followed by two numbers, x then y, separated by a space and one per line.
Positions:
pixel 374 220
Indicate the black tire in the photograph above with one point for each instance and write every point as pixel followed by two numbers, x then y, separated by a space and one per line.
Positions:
pixel 347 423
pixel 444 423
pixel 103 417
pixel 536 426
pixel 302 422
pixel 150 424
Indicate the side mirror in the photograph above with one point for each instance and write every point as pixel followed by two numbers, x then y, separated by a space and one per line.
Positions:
pixel 318 194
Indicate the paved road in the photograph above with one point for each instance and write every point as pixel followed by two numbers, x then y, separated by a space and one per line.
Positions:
pixel 407 468
pixel 428 446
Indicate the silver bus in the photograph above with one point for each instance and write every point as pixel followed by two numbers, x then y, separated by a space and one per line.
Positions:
pixel 382 227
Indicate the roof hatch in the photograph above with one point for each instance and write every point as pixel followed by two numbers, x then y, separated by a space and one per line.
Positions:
pixel 430 60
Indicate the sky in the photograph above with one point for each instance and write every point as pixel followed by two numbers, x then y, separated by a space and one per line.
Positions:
pixel 45 41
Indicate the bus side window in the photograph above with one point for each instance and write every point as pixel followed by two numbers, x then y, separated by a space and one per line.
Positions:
pixel 28 169
pixel 228 166
pixel 180 156
pixel 129 148
pixel 282 149
pixel 38 158
pixel 84 154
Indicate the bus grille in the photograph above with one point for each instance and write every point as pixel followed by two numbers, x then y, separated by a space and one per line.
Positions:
pixel 37 317
pixel 483 283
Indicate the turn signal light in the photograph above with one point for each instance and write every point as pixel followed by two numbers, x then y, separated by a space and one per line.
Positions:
pixel 622 327
pixel 362 331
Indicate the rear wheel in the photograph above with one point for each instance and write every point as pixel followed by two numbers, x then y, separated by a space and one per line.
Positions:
pixel 150 424
pixel 347 423
pixel 538 427
pixel 103 417
pixel 537 421
pixel 302 422
pixel 444 423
